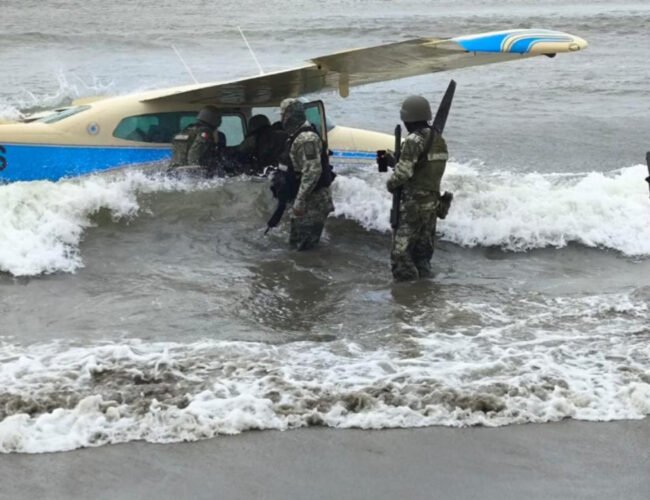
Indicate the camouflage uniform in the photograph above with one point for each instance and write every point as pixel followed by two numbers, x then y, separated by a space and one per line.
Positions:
pixel 305 156
pixel 199 143
pixel 199 148
pixel 419 175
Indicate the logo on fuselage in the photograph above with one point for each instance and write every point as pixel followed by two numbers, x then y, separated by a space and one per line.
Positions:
pixel 3 159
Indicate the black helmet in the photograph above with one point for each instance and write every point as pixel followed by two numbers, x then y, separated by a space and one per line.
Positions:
pixel 258 122
pixel 210 115
pixel 415 108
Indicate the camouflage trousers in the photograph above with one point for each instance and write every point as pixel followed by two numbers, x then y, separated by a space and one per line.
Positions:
pixel 305 231
pixel 413 240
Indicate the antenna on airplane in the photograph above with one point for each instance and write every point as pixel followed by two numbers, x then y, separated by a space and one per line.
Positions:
pixel 251 50
pixel 185 64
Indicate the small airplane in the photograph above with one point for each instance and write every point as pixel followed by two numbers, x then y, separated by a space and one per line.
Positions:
pixel 99 134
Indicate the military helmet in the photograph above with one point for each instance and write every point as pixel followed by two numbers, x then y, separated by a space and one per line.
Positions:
pixel 258 122
pixel 210 115
pixel 415 108
pixel 292 106
pixel 293 113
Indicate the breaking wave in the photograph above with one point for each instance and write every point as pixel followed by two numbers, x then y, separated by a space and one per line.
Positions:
pixel 43 223
pixel 58 396
pixel 520 212
pixel 69 88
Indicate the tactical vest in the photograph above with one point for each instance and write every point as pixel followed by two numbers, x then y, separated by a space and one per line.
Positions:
pixel 327 173
pixel 430 167
pixel 182 142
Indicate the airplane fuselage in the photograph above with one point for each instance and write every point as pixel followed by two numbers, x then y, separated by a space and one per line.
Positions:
pixel 94 137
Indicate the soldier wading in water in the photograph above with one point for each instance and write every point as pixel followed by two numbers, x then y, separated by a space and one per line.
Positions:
pixel 418 172
pixel 307 164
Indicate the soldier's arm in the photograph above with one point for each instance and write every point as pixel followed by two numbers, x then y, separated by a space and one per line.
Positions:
pixel 306 153
pixel 404 169
pixel 201 145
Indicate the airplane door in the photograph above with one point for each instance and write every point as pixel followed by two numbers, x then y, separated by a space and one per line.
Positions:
pixel 315 112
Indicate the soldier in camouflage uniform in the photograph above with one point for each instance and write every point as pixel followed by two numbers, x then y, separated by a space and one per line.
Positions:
pixel 305 156
pixel 418 173
pixel 199 143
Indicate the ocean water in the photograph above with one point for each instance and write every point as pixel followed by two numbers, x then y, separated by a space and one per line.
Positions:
pixel 138 307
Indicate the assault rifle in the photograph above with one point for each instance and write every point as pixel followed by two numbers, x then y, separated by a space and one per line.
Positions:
pixel 436 128
pixel 284 186
pixel 647 160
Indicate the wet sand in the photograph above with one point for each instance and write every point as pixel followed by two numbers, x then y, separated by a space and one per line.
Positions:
pixel 567 460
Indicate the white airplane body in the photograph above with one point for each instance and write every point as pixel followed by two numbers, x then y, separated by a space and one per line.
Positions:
pixel 99 134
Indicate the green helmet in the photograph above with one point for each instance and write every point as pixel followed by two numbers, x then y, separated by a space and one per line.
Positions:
pixel 210 115
pixel 415 108
pixel 293 113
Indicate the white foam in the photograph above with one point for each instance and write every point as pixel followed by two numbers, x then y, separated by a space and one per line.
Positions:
pixel 363 199
pixel 520 367
pixel 70 87
pixel 42 223
pixel 520 212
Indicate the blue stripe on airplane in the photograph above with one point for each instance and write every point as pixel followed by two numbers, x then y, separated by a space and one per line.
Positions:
pixel 28 162
pixel 522 41
pixel 354 155
pixel 524 45
pixel 490 43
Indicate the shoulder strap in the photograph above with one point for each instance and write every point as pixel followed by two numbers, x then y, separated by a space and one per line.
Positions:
pixel 428 144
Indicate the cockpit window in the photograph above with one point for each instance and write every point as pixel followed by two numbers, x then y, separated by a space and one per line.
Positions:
pixel 60 114
pixel 159 127
pixel 162 127
pixel 233 128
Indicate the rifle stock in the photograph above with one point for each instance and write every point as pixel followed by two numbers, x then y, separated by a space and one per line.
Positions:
pixel 442 114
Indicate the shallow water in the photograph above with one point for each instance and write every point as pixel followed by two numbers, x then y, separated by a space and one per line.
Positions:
pixel 137 307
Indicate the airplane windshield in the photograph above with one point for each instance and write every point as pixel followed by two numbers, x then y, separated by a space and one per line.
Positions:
pixel 61 114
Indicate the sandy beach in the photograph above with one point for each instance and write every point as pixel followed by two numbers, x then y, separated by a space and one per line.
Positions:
pixel 567 460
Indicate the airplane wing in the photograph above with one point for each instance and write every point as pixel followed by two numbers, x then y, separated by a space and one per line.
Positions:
pixel 381 63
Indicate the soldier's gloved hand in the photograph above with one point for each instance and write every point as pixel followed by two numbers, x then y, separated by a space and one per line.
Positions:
pixel 391 185
pixel 385 159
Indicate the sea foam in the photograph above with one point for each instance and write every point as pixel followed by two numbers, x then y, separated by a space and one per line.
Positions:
pixel 70 87
pixel 518 368
pixel 42 223
pixel 519 212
